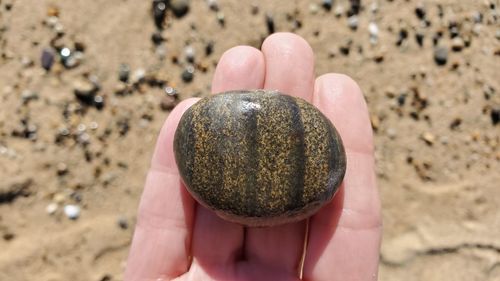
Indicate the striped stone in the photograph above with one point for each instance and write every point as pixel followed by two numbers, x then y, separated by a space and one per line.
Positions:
pixel 259 157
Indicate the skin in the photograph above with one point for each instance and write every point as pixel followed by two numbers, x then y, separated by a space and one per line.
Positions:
pixel 177 239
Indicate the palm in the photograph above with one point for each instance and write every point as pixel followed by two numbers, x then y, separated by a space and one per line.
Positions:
pixel 176 238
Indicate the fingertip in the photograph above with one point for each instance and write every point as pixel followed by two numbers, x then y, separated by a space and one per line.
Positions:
pixel 163 155
pixel 289 65
pixel 239 68
pixel 289 44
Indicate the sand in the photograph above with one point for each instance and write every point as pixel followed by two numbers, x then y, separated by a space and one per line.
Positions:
pixel 438 157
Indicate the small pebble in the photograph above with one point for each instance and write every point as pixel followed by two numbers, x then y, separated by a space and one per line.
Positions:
pixel 209 48
pixel 457 44
pixel 221 18
pixel 122 222
pixel 373 30
pixel 355 7
pixel 47 58
pixel 495 116
pixel 402 35
pixel 168 103
pixel 84 91
pixel 8 236
pixel 26 62
pixel 28 95
pixel 428 138
pixel 353 22
pixel 53 11
pixel 213 5
pixel 391 133
pixel 170 91
pixel 159 12
pixel 270 24
pixel 80 46
pixel 62 169
pixel 99 102
pixel 124 72
pixel 51 208
pixel 375 120
pixel 179 7
pixel 138 75
pixel 419 37
pixel 189 53
pixel 65 52
pixel 313 8
pixel 188 74
pixel 72 211
pixel 339 10
pixel 374 7
pixel 157 37
pixel 477 17
pixel 420 11
pixel 327 4
pixel 440 55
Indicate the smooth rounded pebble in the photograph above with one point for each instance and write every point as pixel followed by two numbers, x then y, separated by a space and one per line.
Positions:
pixel 259 157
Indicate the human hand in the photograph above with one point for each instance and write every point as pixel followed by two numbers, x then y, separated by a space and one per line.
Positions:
pixel 175 238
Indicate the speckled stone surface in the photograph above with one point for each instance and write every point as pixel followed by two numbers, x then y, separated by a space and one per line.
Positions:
pixel 259 157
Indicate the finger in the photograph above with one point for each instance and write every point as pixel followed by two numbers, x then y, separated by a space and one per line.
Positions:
pixel 289 65
pixel 216 240
pixel 345 236
pixel 160 246
pixel 240 68
pixel 289 69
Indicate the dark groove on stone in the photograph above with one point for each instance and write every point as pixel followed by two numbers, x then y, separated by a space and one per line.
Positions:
pixel 251 136
pixel 297 157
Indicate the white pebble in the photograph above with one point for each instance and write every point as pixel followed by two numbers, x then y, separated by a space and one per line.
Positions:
pixel 189 52
pixel 72 211
pixel 138 75
pixel 373 30
pixel 51 208
pixel 339 10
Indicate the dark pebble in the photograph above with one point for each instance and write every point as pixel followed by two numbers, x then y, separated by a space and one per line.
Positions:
pixel 209 48
pixel 270 24
pixel 80 46
pixel 123 125
pixel 168 103
pixel 99 102
pixel 188 74
pixel 124 72
pixel 157 38
pixel 419 37
pixel 420 12
pixel 159 12
pixel 402 35
pixel 47 58
pixel 106 277
pixel 401 99
pixel 495 116
pixel 8 236
pixel 355 7
pixel 455 124
pixel 123 223
pixel 179 7
pixel 440 55
pixel 345 48
pixel 327 4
